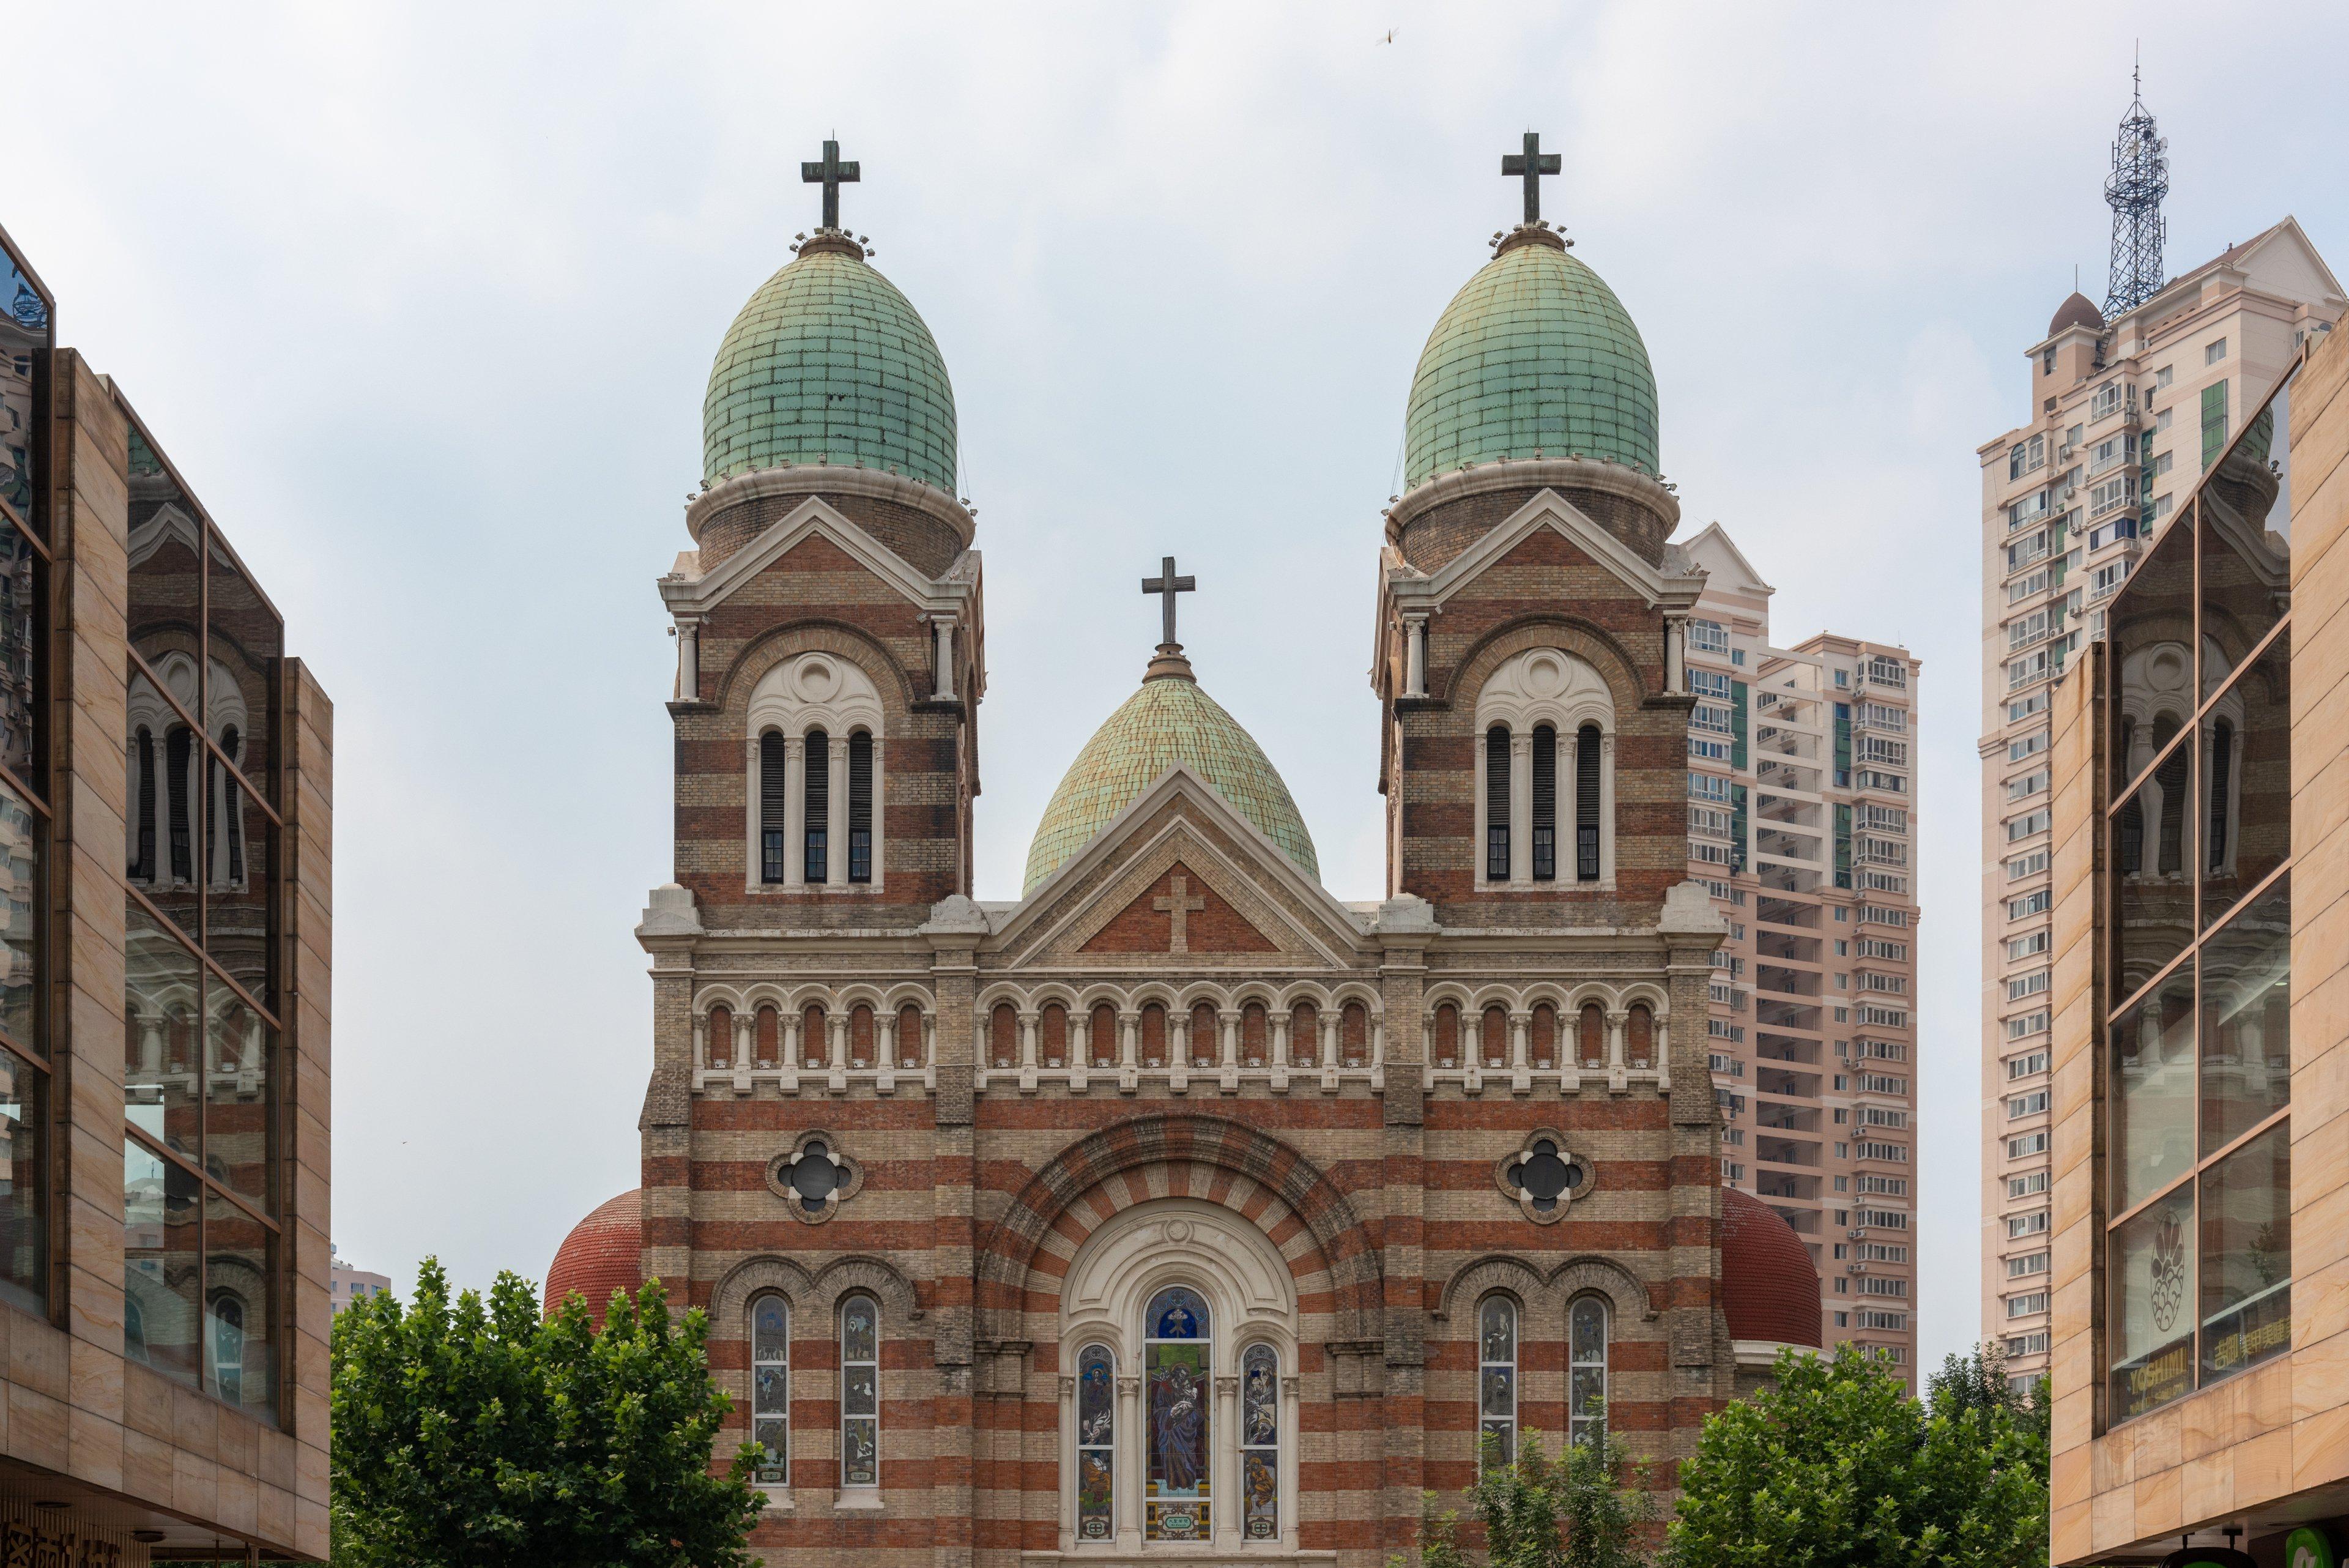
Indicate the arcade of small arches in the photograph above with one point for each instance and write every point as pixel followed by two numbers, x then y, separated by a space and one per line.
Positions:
pixel 187 817
pixel 1248 1029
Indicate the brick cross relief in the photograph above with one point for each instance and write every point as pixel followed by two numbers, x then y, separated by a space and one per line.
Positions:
pixel 1179 908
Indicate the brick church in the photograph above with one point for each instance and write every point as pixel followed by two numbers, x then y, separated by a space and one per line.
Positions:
pixel 1180 1210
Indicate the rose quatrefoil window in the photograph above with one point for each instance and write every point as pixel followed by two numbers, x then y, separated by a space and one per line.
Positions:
pixel 815 1179
pixel 1544 1176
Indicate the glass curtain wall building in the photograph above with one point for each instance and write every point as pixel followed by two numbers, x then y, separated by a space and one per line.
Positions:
pixel 2200 1199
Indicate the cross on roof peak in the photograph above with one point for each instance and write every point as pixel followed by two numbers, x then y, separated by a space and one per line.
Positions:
pixel 1530 165
pixel 1166 585
pixel 831 173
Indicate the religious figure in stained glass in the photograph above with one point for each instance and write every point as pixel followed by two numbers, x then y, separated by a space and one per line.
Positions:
pixel 1176 1368
pixel 1096 1441
pixel 1178 1420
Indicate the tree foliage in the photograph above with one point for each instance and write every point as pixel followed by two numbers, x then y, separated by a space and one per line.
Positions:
pixel 473 1435
pixel 1838 1468
pixel 1586 1510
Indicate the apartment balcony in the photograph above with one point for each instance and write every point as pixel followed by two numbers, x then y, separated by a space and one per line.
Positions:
pixel 1787 912
pixel 1769 1012
pixel 1785 1151
pixel 1806 1220
pixel 1787 982
pixel 1781 844
pixel 1785 1118
pixel 1779 945
pixel 1889 675
pixel 1785 776
pixel 1792 812
pixel 1783 878
pixel 1786 1184
pixel 2113 506
pixel 1768 1080
pixel 1785 1048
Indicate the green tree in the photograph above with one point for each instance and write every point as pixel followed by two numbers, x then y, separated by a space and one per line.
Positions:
pixel 1837 1466
pixel 473 1435
pixel 1586 1510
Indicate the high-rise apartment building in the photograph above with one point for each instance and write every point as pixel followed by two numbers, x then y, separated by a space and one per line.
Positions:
pixel 2126 415
pixel 1801 825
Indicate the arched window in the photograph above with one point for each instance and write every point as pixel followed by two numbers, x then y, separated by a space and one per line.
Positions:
pixel 232 813
pixel 1496 804
pixel 1102 1036
pixel 1178 1368
pixel 860 806
pixel 143 865
pixel 1205 1046
pixel 1354 1034
pixel 1052 1034
pixel 1640 1035
pixel 1260 1443
pixel 818 806
pixel 1096 1442
pixel 1497 1383
pixel 1591 1036
pixel 1304 1034
pixel 1003 1034
pixel 1496 1031
pixel 1154 1035
pixel 767 1037
pixel 771 1387
pixel 1586 804
pixel 228 1348
pixel 1586 1388
pixel 2222 766
pixel 860 1036
pixel 1255 1027
pixel 775 805
pixel 177 750
pixel 1544 804
pixel 860 1392
pixel 910 1052
pixel 811 1035
pixel 718 1037
pixel 1447 1035
pixel 1544 1036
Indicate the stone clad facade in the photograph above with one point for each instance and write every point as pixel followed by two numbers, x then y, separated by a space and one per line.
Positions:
pixel 1178 1209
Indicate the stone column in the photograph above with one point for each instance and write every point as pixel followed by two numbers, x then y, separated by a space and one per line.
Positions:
pixel 1521 806
pixel 794 810
pixel 885 1038
pixel 1129 1039
pixel 1333 1019
pixel 1069 1463
pixel 879 795
pixel 1606 809
pixel 1675 653
pixel 689 660
pixel 835 813
pixel 1229 1054
pixel 1130 1471
pixel 1223 1462
pixel 1414 660
pixel 745 1026
pixel 754 820
pixel 944 627
pixel 1289 1438
pixel 836 1027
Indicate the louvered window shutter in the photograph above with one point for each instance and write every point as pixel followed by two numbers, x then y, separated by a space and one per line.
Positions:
pixel 1496 804
pixel 1544 804
pixel 774 804
pixel 819 805
pixel 860 806
pixel 1586 804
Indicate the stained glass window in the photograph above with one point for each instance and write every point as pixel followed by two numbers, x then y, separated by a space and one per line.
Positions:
pixel 1260 1443
pixel 1585 1388
pixel 860 1392
pixel 1177 1369
pixel 1496 1382
pixel 770 1388
pixel 1096 1442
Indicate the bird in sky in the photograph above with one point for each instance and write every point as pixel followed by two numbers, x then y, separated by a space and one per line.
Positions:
pixel 1389 36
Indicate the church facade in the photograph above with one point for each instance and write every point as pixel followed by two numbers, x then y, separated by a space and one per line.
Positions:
pixel 1179 1210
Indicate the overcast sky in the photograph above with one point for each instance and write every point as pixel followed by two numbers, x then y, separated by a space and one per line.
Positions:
pixel 422 299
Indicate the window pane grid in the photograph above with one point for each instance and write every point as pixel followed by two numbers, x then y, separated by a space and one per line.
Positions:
pixel 246 1209
pixel 257 786
pixel 213 971
pixel 2196 1254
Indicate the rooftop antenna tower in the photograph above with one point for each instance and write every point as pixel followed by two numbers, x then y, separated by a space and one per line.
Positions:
pixel 2141 179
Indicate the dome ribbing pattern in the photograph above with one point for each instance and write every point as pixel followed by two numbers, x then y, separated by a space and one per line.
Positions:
pixel 1169 721
pixel 828 362
pixel 1535 356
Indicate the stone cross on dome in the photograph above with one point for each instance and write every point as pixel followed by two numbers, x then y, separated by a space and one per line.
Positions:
pixel 1166 585
pixel 832 173
pixel 1530 165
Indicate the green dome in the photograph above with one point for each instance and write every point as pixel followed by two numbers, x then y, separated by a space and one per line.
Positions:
pixel 829 362
pixel 1169 721
pixel 1535 356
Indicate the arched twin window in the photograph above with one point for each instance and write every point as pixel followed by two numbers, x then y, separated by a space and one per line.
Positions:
pixel 1497 1391
pixel 1545 723
pixel 169 794
pixel 816 766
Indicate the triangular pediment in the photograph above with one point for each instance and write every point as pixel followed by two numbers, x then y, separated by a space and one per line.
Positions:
pixel 1244 904
pixel 1663 588
pixel 813 518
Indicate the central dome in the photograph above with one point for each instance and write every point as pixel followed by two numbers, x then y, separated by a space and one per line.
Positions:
pixel 1169 721
pixel 1534 356
pixel 829 363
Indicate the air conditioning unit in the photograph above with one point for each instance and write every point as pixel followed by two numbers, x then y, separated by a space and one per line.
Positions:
pixel 1856 1232
pixel 1856 1268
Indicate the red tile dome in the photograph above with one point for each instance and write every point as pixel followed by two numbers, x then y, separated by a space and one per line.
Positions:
pixel 1769 1286
pixel 599 1256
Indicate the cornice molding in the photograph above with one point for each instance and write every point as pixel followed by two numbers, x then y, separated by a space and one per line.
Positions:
pixel 815 478
pixel 1534 473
